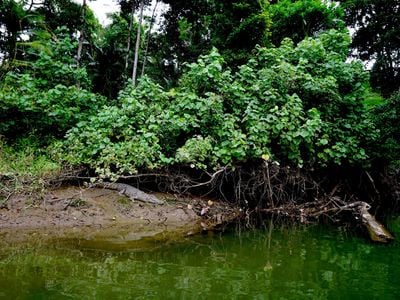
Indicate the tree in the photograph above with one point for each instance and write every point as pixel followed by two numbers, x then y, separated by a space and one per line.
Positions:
pixel 57 13
pixel 297 20
pixel 134 4
pixel 82 32
pixel 42 98
pixel 77 18
pixel 137 45
pixel 13 20
pixel 116 59
pixel 192 28
pixel 377 39
pixel 387 118
pixel 110 74
pixel 27 18
pixel 149 34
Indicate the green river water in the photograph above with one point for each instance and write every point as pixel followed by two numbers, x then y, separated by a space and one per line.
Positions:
pixel 283 263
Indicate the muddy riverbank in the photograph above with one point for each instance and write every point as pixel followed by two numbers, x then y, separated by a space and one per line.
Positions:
pixel 98 212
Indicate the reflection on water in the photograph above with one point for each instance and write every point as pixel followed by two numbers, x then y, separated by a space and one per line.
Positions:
pixel 282 263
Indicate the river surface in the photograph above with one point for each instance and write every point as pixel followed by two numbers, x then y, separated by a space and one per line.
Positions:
pixel 280 262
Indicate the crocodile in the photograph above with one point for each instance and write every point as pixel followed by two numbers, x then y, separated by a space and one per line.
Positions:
pixel 131 192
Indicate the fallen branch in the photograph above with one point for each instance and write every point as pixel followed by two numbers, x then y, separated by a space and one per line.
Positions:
pixel 131 192
pixel 377 232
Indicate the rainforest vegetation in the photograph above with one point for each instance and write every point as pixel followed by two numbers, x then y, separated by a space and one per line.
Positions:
pixel 269 104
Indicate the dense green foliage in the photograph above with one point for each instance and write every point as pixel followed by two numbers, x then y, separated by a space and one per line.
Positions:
pixel 296 104
pixel 12 21
pixel 388 120
pixel 300 19
pixel 110 75
pixel 225 82
pixel 48 96
pixel 377 38
pixel 233 26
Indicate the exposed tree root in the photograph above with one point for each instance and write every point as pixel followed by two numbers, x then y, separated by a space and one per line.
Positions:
pixel 267 187
pixel 272 189
pixel 359 209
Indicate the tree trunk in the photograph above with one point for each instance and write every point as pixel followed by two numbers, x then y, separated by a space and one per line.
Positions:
pixel 148 38
pixel 82 34
pixel 135 62
pixel 128 45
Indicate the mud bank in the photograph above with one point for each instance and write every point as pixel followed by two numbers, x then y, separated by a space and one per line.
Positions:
pixel 93 213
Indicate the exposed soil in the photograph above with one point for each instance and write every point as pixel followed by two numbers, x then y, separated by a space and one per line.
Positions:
pixel 97 212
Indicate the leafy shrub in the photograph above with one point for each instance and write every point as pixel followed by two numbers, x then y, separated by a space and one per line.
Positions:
pixel 387 118
pixel 122 137
pixel 48 96
pixel 196 149
pixel 296 104
pixel 24 107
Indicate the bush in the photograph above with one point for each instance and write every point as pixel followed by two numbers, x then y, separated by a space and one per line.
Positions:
pixel 301 105
pixel 48 96
pixel 25 108
pixel 387 118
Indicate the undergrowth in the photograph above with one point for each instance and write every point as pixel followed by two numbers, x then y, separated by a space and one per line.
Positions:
pixel 25 169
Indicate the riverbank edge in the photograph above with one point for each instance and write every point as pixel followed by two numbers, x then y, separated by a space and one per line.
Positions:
pixel 91 213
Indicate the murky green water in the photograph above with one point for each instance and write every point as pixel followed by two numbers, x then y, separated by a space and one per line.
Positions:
pixel 285 263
